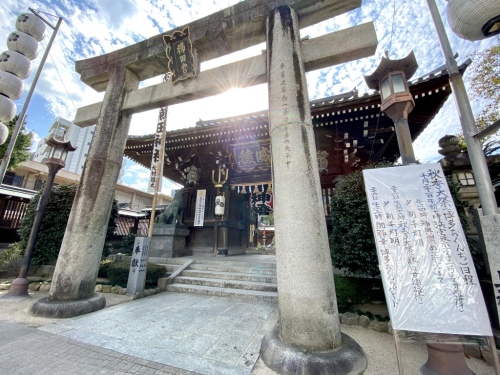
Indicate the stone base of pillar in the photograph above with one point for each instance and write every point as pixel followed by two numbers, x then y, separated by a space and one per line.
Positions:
pixel 445 359
pixel 67 309
pixel 168 241
pixel 282 358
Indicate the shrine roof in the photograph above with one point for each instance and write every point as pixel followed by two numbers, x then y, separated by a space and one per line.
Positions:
pixel 349 129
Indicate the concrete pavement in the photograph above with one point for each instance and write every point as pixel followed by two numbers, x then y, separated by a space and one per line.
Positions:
pixel 168 333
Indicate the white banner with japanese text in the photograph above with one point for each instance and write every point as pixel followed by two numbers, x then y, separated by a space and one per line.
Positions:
pixel 199 213
pixel 427 270
pixel 156 158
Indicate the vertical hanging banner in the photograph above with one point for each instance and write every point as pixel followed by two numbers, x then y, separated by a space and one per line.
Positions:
pixel 199 213
pixel 156 173
pixel 427 270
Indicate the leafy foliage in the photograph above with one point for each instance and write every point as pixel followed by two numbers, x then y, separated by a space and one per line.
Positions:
pixel 118 274
pixel 54 223
pixel 127 243
pixel 485 84
pixel 12 252
pixel 352 243
pixel 20 152
pixel 357 290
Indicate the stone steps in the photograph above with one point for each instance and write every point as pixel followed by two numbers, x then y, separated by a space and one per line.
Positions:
pixel 230 276
pixel 231 284
pixel 227 278
pixel 224 292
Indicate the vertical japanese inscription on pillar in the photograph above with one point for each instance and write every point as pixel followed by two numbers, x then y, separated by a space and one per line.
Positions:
pixel 429 278
pixel 180 55
pixel 285 112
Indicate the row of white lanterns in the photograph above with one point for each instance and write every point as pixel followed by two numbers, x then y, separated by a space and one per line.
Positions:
pixel 15 65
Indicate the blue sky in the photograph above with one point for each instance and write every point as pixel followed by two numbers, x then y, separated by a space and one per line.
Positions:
pixel 92 28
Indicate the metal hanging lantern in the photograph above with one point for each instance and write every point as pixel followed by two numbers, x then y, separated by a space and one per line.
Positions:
pixel 474 20
pixel 15 63
pixel 30 24
pixel 11 86
pixel 4 133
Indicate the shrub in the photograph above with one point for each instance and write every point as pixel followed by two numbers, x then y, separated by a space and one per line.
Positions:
pixel 104 268
pixel 357 290
pixel 12 252
pixel 53 224
pixel 118 274
pixel 127 243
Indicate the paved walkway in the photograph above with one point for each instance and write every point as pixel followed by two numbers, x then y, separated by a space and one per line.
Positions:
pixel 168 333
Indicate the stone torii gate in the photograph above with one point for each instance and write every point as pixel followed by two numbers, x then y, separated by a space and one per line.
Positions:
pixel 308 339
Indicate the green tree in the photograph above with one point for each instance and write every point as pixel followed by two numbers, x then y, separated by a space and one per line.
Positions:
pixel 20 152
pixel 352 243
pixel 54 223
pixel 484 82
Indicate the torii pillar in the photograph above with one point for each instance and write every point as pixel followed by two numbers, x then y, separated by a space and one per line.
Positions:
pixel 72 288
pixel 308 338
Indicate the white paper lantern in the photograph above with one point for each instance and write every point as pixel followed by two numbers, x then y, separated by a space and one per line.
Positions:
pixel 4 133
pixel 11 86
pixel 15 63
pixel 471 19
pixel 7 109
pixel 32 25
pixel 220 202
pixel 23 43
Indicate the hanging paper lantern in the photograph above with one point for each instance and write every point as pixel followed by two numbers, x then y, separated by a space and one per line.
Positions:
pixel 32 25
pixel 23 43
pixel 220 203
pixel 7 109
pixel 15 63
pixel 4 133
pixel 474 20
pixel 11 86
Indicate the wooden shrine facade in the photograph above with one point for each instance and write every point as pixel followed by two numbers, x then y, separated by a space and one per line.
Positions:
pixel 350 132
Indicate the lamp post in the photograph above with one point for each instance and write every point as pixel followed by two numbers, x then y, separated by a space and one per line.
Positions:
pixel 59 148
pixel 390 78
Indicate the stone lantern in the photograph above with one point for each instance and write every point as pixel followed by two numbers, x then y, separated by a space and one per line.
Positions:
pixel 390 78
pixel 474 20
pixel 59 148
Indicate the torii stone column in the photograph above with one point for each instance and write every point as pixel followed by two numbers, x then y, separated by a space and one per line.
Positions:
pixel 72 289
pixel 308 339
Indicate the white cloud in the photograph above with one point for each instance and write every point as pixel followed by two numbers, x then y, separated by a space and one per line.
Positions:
pixel 95 27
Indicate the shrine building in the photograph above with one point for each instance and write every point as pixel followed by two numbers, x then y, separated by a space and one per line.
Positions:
pixel 350 131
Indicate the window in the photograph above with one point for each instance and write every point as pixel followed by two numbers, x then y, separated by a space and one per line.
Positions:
pixel 13 179
pixel 385 90
pixel 38 184
pixel 466 179
pixel 398 84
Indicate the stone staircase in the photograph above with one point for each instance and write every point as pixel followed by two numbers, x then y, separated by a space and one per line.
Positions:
pixel 225 278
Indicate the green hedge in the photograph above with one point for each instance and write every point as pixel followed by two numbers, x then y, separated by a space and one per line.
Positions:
pixel 357 290
pixel 118 274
